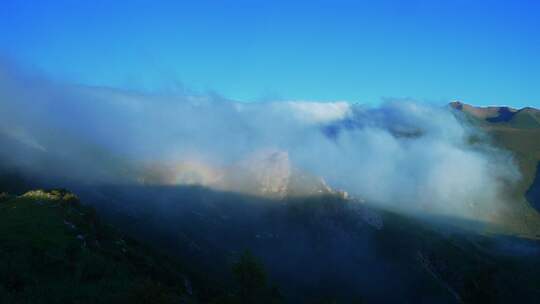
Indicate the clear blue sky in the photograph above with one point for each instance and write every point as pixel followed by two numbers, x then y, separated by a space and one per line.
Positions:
pixel 482 52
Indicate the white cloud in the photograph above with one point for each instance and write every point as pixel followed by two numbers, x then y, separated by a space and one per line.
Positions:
pixel 401 155
pixel 316 112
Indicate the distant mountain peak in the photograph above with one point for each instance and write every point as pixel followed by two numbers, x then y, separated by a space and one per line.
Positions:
pixel 525 117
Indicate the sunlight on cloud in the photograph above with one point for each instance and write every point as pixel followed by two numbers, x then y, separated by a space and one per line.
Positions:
pixel 402 155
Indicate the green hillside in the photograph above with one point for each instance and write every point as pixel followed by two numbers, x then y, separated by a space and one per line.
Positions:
pixel 519 132
pixel 54 250
pixel 324 249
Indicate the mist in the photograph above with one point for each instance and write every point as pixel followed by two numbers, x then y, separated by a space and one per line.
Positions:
pixel 402 155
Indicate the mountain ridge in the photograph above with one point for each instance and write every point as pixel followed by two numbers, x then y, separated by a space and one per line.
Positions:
pixel 513 130
pixel 496 114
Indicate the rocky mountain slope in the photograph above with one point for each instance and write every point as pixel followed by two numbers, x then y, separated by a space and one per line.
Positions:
pixel 517 130
pixel 55 250
pixel 319 245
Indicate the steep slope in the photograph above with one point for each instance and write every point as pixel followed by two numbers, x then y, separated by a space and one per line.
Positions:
pixel 519 132
pixel 319 245
pixel 54 250
pixel 533 193
pixel 327 247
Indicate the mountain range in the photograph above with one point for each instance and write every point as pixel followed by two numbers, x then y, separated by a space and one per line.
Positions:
pixel 260 230
pixel 517 130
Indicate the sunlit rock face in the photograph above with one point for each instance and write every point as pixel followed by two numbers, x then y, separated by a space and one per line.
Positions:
pixel 268 173
pixel 265 172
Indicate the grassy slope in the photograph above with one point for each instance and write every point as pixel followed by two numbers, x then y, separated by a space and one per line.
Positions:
pixel 54 250
pixel 520 135
pixel 527 151
pixel 325 239
pixel 474 268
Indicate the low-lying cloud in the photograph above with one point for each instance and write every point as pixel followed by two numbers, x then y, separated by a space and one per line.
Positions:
pixel 403 155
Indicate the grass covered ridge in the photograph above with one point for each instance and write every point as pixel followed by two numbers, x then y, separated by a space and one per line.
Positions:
pixel 55 250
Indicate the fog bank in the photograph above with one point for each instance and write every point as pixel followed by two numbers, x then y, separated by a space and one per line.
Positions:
pixel 403 155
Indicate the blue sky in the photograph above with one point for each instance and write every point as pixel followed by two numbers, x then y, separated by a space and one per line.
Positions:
pixel 481 52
